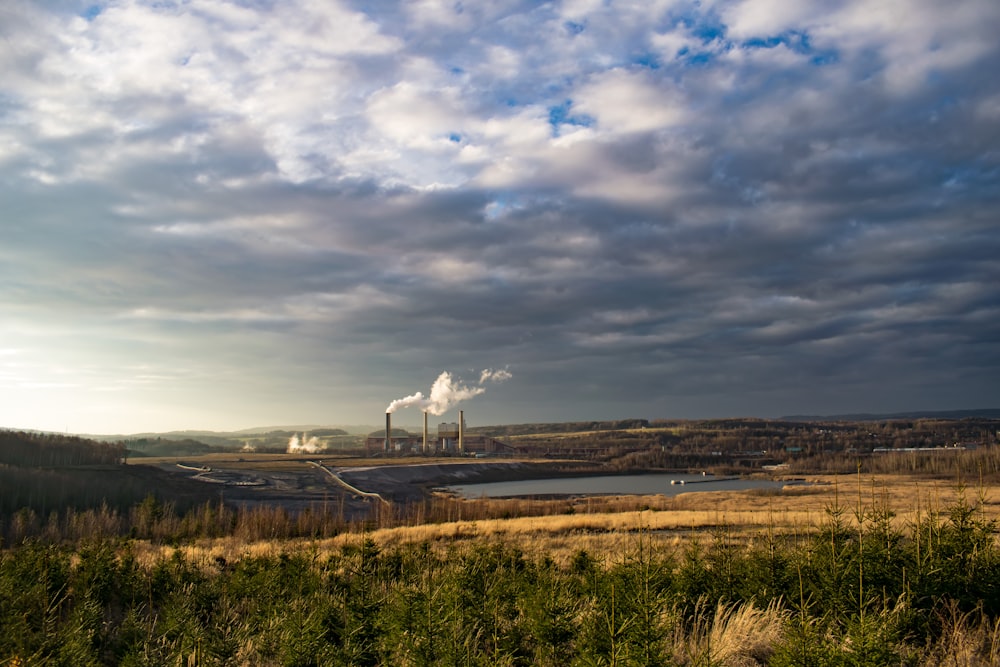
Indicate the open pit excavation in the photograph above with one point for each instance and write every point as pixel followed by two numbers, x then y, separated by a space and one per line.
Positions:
pixel 355 487
pixel 271 481
pixel 298 483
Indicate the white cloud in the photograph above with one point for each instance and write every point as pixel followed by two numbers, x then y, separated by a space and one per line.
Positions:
pixel 427 14
pixel 766 18
pixel 502 63
pixel 414 117
pixel 624 102
pixel 915 40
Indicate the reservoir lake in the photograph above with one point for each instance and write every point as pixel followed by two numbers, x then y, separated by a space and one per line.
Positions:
pixel 648 484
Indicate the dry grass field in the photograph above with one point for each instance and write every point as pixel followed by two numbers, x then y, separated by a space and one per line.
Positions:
pixel 742 516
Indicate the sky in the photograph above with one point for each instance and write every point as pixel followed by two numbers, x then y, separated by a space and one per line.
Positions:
pixel 223 214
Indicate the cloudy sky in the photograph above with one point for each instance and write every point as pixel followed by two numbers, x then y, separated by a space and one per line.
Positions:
pixel 233 213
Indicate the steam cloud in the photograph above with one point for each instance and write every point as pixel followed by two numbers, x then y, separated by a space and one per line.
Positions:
pixel 299 446
pixel 498 375
pixel 447 392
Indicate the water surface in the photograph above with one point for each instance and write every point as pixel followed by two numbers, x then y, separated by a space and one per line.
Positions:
pixel 657 483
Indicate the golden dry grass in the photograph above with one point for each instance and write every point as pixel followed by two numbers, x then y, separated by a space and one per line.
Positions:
pixel 736 635
pixel 742 515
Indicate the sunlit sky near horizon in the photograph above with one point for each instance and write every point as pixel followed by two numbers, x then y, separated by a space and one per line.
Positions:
pixel 220 214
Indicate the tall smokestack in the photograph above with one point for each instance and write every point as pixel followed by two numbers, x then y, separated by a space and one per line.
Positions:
pixel 388 431
pixel 425 431
pixel 461 431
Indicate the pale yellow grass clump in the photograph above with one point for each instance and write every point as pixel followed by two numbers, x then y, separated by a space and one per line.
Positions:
pixel 736 635
pixel 967 640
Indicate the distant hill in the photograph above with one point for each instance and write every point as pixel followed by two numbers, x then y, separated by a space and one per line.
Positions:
pixel 311 429
pixel 559 427
pixel 219 437
pixel 169 447
pixel 262 440
pixel 276 437
pixel 987 413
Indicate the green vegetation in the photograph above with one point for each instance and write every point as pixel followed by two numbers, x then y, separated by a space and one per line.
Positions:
pixel 856 592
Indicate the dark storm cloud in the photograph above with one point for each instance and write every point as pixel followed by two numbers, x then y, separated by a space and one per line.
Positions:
pixel 661 209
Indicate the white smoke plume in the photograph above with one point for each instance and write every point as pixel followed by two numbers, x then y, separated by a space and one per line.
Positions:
pixel 247 447
pixel 494 375
pixel 447 392
pixel 304 445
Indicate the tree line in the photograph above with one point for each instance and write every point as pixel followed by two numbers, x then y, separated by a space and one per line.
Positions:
pixel 51 450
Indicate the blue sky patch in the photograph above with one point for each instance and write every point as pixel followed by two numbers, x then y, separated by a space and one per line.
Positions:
pixel 706 26
pixel 649 60
pixel 709 32
pixel 763 42
pixel 560 115
pixel 796 41
pixel 92 12
pixel 826 58
pixel 696 58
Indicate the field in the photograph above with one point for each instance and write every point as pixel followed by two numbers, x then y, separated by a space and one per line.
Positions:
pixel 853 570
pixel 560 528
pixel 894 563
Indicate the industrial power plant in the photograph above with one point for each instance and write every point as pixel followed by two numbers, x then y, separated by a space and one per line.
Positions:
pixel 446 392
pixel 450 438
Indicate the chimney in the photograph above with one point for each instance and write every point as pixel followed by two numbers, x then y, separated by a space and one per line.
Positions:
pixel 461 431
pixel 388 432
pixel 425 431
